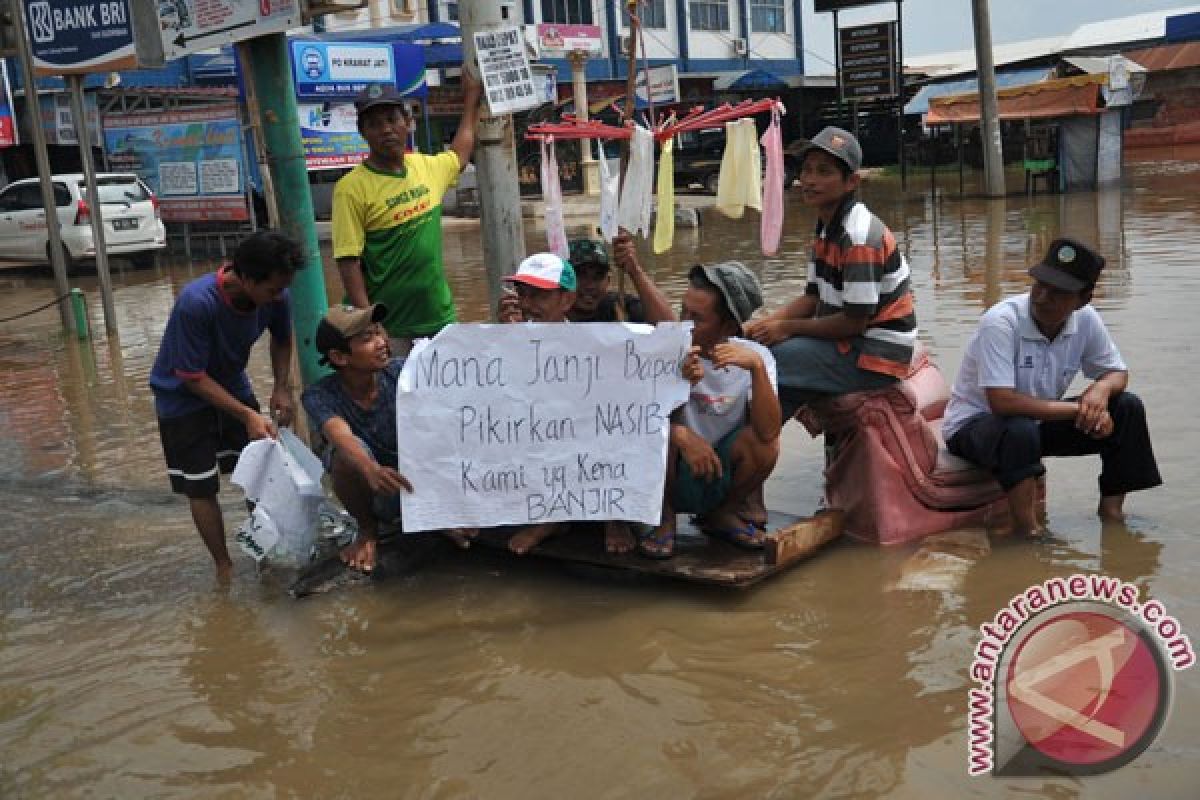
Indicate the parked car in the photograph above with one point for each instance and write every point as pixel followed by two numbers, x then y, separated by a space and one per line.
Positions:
pixel 698 161
pixel 132 224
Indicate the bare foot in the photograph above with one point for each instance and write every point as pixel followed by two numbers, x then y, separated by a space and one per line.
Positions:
pixel 618 538
pixel 754 509
pixel 360 554
pixel 1112 508
pixel 526 539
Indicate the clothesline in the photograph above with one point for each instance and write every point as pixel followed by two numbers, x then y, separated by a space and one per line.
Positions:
pixel 571 127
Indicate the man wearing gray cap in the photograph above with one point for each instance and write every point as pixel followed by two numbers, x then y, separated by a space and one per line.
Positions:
pixel 724 441
pixel 387 232
pixel 1007 409
pixel 854 328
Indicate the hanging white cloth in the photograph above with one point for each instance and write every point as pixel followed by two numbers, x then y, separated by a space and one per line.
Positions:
pixel 739 184
pixel 609 189
pixel 556 230
pixel 637 192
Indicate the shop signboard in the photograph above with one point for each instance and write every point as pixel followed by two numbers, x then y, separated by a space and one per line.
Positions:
pixel 192 159
pixel 557 41
pixel 868 58
pixel 79 36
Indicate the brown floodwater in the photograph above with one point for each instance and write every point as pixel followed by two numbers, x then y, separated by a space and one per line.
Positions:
pixel 125 673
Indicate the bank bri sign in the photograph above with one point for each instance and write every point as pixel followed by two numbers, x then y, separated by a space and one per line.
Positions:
pixel 79 36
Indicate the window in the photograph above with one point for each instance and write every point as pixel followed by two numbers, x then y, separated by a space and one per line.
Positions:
pixel 654 14
pixel 567 12
pixel 450 10
pixel 709 15
pixel 767 16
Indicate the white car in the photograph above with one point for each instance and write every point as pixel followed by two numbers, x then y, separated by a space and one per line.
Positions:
pixel 132 224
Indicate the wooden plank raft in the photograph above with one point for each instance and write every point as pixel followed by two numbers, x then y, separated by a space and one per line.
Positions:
pixel 698 558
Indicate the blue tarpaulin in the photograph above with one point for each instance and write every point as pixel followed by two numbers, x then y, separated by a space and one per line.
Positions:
pixel 1183 28
pixel 758 79
pixel 1004 79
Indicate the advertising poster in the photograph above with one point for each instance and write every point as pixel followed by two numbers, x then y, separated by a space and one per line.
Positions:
pixel 330 135
pixel 192 160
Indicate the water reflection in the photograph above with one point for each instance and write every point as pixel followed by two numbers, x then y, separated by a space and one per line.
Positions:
pixel 122 674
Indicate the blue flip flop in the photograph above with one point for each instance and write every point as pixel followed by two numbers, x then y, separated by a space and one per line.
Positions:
pixel 651 545
pixel 748 537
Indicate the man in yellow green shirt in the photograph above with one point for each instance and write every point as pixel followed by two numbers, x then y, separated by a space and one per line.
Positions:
pixel 387 213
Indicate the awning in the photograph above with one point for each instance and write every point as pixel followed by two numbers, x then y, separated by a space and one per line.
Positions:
pixel 751 80
pixel 1004 79
pixel 1183 27
pixel 1066 97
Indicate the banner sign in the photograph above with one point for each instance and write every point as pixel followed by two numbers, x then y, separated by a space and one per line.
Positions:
pixel 330 135
pixel 79 36
pixel 59 123
pixel 504 70
pixel 193 160
pixel 528 423
pixel 664 85
pixel 189 26
pixel 559 40
pixel 343 69
pixel 8 130
pixel 868 54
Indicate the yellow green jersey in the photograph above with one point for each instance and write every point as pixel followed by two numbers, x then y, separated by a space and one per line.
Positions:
pixel 392 221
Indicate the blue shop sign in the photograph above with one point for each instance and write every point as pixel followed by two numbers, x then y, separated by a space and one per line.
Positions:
pixel 79 36
pixel 340 70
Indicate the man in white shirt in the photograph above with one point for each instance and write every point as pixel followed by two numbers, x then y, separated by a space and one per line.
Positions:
pixel 1007 410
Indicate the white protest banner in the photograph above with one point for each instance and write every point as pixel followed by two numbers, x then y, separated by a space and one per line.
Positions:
pixel 527 423
pixel 504 71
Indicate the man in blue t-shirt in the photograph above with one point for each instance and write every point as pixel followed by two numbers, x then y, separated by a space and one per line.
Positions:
pixel 205 405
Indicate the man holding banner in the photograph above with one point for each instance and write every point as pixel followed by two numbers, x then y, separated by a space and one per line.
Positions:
pixel 387 232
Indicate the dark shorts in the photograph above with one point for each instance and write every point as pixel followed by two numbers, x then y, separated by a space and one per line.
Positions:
pixel 198 445
pixel 693 495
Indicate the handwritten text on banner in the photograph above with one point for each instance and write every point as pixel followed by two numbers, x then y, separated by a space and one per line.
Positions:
pixel 519 424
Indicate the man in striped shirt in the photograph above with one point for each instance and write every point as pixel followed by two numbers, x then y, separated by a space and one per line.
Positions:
pixel 854 328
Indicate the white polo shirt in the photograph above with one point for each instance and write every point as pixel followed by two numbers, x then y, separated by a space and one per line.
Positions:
pixel 1007 351
pixel 720 402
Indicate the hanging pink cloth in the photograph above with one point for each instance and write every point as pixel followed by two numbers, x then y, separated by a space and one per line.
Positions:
pixel 772 204
pixel 556 230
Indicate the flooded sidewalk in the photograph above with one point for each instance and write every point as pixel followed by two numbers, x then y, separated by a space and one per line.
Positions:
pixel 124 673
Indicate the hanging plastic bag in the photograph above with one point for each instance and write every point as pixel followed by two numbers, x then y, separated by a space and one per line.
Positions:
pixel 664 225
pixel 556 231
pixel 283 479
pixel 771 227
pixel 739 183
pixel 637 192
pixel 609 190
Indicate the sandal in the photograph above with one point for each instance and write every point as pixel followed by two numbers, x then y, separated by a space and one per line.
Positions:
pixel 748 537
pixel 653 542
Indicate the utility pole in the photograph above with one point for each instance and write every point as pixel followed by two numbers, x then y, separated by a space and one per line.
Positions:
pixel 271 74
pixel 495 156
pixel 78 110
pixel 34 112
pixel 993 152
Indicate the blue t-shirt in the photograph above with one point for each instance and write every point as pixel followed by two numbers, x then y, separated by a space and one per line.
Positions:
pixel 376 426
pixel 206 335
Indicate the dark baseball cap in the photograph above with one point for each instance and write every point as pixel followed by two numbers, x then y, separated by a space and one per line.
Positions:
pixel 379 94
pixel 1069 265
pixel 342 323
pixel 839 143
pixel 582 252
pixel 737 285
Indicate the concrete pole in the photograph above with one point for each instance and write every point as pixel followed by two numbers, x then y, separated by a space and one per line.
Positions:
pixel 33 108
pixel 591 169
pixel 993 153
pixel 271 74
pixel 495 156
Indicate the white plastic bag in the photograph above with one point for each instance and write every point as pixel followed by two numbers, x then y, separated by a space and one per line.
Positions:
pixel 283 479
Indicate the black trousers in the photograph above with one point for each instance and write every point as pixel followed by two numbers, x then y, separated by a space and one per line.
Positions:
pixel 1012 447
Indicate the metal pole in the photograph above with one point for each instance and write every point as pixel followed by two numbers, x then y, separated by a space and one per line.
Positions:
pixel 837 62
pixel 900 92
pixel 271 74
pixel 75 83
pixel 33 108
pixel 993 153
pixel 495 158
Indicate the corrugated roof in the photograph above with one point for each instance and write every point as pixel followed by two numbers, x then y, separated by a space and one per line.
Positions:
pixel 1134 28
pixel 1170 56
pixel 958 62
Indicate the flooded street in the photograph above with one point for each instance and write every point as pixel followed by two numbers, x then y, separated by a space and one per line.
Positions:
pixel 124 673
